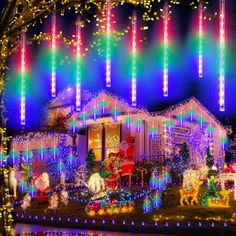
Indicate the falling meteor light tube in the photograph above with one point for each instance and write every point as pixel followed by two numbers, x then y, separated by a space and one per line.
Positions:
pixel 134 55
pixel 165 66
pixel 108 45
pixel 22 98
pixel 222 57
pixel 53 48
pixel 200 37
pixel 78 66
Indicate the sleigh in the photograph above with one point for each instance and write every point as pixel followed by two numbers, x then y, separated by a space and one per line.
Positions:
pixel 127 167
pixel 42 196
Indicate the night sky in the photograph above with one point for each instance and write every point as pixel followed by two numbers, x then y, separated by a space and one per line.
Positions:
pixel 183 67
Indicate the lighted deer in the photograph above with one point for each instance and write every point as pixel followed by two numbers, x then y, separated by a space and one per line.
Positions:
pixel 13 181
pixel 193 193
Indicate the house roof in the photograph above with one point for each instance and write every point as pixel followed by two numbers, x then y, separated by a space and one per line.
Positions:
pixel 90 102
pixel 192 101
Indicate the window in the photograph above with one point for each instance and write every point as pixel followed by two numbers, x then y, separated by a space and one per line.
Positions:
pixel 95 140
pixel 112 140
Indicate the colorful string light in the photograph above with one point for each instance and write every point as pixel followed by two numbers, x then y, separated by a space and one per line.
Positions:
pixel 53 48
pixel 134 54
pixel 22 99
pixel 222 57
pixel 200 35
pixel 165 66
pixel 78 67
pixel 108 45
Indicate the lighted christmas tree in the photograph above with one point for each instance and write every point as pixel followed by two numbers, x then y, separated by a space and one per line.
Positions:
pixel 90 162
pixel 184 152
pixel 210 192
pixel 53 202
pixel 26 202
pixel 64 197
pixel 62 162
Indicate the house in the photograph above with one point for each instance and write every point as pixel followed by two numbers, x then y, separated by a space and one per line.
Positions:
pixel 105 120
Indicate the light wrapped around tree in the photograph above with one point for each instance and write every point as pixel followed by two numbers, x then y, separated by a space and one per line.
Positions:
pixel 64 162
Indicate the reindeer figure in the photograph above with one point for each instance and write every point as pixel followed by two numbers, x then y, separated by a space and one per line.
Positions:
pixel 185 195
pixel 13 181
pixel 225 194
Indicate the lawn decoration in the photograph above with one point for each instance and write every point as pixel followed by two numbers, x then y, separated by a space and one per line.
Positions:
pixel 147 205
pixel 210 193
pixel 230 168
pixel 185 194
pixel 143 171
pixel 190 179
pixel 110 170
pixel 115 202
pixel 80 179
pixel 96 183
pixel 222 201
pixel 41 183
pixel 211 198
pixel 64 197
pixel 53 202
pixel 153 182
pixel 157 201
pixel 26 202
pixel 166 176
pixel 126 153
pixel 13 181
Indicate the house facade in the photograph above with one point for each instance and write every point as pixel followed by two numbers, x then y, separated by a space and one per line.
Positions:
pixel 105 120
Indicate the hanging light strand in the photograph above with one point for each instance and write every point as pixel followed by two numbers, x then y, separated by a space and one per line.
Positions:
pixel 222 57
pixel 78 66
pixel 165 66
pixel 200 38
pixel 134 54
pixel 108 45
pixel 22 98
pixel 53 48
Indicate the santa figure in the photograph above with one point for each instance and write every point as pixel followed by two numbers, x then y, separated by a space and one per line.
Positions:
pixel 41 183
pixel 126 153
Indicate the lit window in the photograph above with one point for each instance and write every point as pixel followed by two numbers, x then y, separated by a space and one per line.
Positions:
pixel 95 141
pixel 112 138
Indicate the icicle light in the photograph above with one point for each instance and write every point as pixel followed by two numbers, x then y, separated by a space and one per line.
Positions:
pixel 108 45
pixel 134 54
pixel 165 66
pixel 222 57
pixel 78 66
pixel 53 73
pixel 22 98
pixel 200 38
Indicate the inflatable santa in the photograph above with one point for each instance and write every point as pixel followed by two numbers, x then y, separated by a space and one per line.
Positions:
pixel 126 152
pixel 41 183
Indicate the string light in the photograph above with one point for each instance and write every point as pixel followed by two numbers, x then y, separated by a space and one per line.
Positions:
pixel 222 57
pixel 165 69
pixel 200 35
pixel 53 73
pixel 78 66
pixel 108 45
pixel 22 98
pixel 134 54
